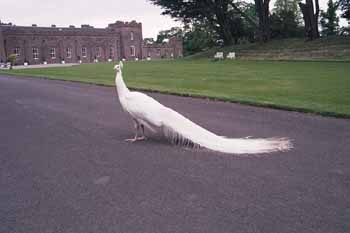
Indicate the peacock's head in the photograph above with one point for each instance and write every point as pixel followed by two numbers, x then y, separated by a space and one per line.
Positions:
pixel 118 67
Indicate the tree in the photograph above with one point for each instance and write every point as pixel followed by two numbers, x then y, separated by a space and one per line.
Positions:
pixel 282 7
pixel 198 38
pixel 221 15
pixel 345 8
pixel 285 5
pixel 284 25
pixel 166 34
pixel 262 11
pixel 330 20
pixel 285 19
pixel 310 16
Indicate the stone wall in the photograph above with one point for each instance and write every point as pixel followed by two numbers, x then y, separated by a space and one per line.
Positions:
pixel 130 36
pixel 2 47
pixel 61 40
pixel 177 44
pixel 168 50
pixel 120 40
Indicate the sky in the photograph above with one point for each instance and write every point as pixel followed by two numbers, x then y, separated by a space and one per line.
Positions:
pixel 99 13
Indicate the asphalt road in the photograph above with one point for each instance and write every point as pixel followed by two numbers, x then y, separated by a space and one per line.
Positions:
pixel 65 167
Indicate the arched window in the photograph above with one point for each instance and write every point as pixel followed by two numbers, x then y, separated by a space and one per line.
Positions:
pixel 131 35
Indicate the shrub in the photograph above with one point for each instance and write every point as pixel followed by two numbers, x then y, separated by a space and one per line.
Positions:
pixel 12 59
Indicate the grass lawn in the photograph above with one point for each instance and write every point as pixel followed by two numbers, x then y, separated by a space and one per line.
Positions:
pixel 320 87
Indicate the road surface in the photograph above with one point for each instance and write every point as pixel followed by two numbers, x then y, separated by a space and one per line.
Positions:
pixel 65 167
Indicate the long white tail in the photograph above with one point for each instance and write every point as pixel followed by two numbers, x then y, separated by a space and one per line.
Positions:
pixel 181 130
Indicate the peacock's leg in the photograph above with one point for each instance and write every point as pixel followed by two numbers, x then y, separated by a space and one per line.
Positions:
pixel 143 137
pixel 136 126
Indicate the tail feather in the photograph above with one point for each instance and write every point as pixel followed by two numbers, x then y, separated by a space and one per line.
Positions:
pixel 180 130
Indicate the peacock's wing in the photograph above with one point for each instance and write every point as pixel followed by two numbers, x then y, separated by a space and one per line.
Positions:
pixel 144 108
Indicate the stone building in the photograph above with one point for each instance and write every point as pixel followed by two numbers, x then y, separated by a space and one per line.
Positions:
pixel 120 40
pixel 170 49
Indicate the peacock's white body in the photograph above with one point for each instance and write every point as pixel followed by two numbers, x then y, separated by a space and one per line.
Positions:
pixel 147 112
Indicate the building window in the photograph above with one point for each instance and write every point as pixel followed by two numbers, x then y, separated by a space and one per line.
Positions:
pixel 69 52
pixel 83 52
pixel 35 52
pixel 111 52
pixel 131 35
pixel 98 52
pixel 132 50
pixel 158 52
pixel 16 51
pixel 53 53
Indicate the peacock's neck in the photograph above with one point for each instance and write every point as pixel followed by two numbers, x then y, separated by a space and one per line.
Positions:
pixel 121 87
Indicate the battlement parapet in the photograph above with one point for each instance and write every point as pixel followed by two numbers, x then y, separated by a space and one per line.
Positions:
pixel 121 24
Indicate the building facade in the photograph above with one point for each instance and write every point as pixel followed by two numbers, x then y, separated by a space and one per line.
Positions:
pixel 167 50
pixel 120 40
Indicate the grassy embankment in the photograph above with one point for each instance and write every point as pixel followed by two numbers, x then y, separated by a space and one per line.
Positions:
pixel 324 49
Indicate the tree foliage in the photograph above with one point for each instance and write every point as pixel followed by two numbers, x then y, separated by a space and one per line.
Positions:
pixel 166 34
pixel 330 20
pixel 148 40
pixel 227 22
pixel 345 9
pixel 285 19
pixel 224 17
pixel 282 7
pixel 284 24
pixel 198 38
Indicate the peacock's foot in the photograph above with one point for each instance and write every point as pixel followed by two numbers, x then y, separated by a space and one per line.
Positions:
pixel 131 140
pixel 142 138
